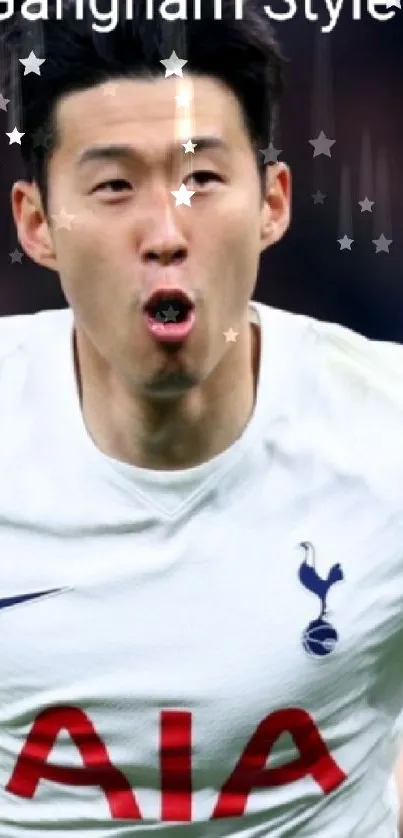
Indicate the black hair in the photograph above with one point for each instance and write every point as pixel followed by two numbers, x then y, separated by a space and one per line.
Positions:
pixel 242 53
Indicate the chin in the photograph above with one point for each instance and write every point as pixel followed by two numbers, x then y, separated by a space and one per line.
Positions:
pixel 169 385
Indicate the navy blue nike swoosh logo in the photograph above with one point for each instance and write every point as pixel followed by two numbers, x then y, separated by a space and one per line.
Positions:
pixel 15 600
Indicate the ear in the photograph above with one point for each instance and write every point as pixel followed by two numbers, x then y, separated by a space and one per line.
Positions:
pixel 276 207
pixel 32 227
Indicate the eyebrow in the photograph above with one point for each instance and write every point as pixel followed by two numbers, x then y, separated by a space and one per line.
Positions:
pixel 129 152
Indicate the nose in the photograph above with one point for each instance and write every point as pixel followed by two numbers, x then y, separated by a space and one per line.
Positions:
pixel 163 240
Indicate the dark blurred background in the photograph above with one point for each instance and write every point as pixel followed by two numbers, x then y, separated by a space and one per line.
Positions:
pixel 347 83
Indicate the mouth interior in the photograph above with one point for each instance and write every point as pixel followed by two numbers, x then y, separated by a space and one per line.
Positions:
pixel 169 310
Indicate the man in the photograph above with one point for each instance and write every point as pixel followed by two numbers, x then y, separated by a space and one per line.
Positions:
pixel 201 511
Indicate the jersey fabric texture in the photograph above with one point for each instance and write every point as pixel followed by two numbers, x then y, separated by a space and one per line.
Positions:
pixel 213 652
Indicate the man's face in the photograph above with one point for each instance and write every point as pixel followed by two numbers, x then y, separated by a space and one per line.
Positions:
pixel 116 233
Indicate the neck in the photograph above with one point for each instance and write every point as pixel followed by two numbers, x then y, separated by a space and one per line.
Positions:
pixel 178 435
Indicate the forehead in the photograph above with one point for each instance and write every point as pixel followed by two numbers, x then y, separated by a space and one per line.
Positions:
pixel 147 114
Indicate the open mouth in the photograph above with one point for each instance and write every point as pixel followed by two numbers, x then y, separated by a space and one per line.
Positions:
pixel 169 306
pixel 169 310
pixel 170 316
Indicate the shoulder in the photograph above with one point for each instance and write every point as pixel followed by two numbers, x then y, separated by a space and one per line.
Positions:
pixel 350 357
pixel 356 416
pixel 16 329
pixel 345 402
pixel 14 332
pixel 330 357
pixel 342 363
pixel 360 384
pixel 13 329
pixel 20 337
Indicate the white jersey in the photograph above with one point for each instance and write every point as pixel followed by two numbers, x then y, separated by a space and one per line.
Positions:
pixel 207 653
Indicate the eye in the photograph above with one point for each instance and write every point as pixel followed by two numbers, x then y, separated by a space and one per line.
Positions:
pixel 117 183
pixel 203 177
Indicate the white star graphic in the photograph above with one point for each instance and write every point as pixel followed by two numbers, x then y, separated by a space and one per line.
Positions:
pixel 182 196
pixel 390 3
pixel 366 205
pixel 32 64
pixel 15 136
pixel 322 145
pixel 230 336
pixel 189 147
pixel 345 243
pixel 173 65
pixel 63 220
pixel 382 244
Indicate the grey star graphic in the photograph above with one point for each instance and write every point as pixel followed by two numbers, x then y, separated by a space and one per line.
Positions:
pixel 41 138
pixel 16 256
pixel 270 153
pixel 318 197
pixel 170 315
pixel 173 65
pixel 15 136
pixel 382 244
pixel 3 102
pixel 322 145
pixel 345 243
pixel 32 64
pixel 366 205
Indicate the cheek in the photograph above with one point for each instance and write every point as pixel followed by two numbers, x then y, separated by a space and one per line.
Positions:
pixel 84 265
pixel 85 251
pixel 237 241
pixel 73 258
pixel 239 219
